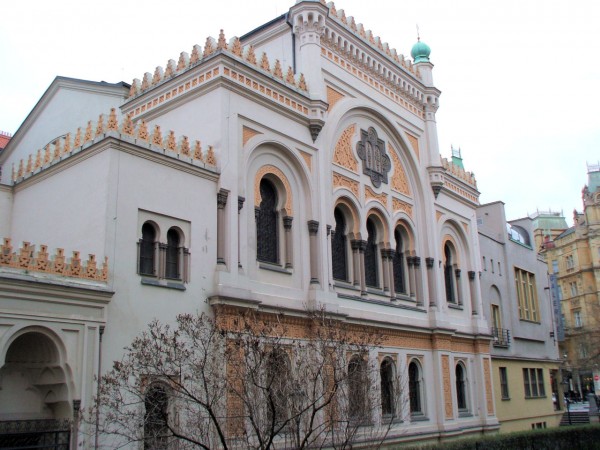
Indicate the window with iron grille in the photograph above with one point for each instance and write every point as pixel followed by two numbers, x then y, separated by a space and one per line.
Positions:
pixel 398 264
pixel 371 270
pixel 339 247
pixel 267 227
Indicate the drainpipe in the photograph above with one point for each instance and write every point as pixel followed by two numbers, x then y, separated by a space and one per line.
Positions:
pixel 98 388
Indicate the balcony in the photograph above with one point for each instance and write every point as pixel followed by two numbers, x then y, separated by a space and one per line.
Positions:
pixel 500 337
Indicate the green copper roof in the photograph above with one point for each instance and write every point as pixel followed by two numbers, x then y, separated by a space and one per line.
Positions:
pixel 420 52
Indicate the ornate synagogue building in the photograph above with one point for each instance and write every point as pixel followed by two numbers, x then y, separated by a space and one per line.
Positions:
pixel 292 168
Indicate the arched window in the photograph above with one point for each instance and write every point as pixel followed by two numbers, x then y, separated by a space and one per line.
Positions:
pixel 371 276
pixel 461 387
pixel 414 388
pixel 156 428
pixel 173 251
pixel 386 371
pixel 267 232
pixel 278 386
pixel 357 388
pixel 147 250
pixel 398 263
pixel 339 247
pixel 449 274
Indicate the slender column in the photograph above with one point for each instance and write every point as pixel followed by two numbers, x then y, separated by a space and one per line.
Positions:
pixel 385 269
pixel 221 228
pixel 473 292
pixel 418 280
pixel 411 275
pixel 313 228
pixel 329 256
pixel 458 287
pixel 390 255
pixel 362 246
pixel 431 281
pixel 355 244
pixel 241 201
pixel 162 260
pixel 287 226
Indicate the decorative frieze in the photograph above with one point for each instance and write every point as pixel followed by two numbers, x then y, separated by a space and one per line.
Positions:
pixel 269 169
pixel 26 258
pixel 340 181
pixel 399 179
pixel 487 375
pixel 343 155
pixel 448 408
pixel 370 194
pixel 414 142
pixel 247 134
pixel 399 205
pixel 390 90
pixel 333 97
pixel 63 147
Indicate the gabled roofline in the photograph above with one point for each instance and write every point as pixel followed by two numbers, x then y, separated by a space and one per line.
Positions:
pixel 121 89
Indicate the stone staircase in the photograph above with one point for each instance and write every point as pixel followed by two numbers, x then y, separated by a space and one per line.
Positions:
pixel 577 418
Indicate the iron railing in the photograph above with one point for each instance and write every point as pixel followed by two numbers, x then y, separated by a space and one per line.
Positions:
pixel 35 434
pixel 500 337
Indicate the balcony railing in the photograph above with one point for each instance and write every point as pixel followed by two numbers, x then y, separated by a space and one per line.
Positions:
pixel 500 337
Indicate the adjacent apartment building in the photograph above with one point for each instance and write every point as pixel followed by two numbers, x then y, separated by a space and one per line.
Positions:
pixel 296 165
pixel 574 264
pixel 514 287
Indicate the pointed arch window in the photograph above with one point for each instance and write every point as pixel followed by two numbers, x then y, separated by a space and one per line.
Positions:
pixel 267 229
pixel 278 386
pixel 386 372
pixel 339 247
pixel 173 255
pixel 147 250
pixel 156 425
pixel 371 272
pixel 357 388
pixel 415 388
pixel 461 387
pixel 398 264
pixel 449 274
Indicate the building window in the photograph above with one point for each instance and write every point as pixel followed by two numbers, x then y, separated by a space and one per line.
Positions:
pixel 527 295
pixel 415 388
pixel 357 388
pixel 570 262
pixel 573 287
pixel 173 255
pixel 533 381
pixel 554 266
pixel 499 269
pixel 504 383
pixel 147 250
pixel 461 388
pixel 492 265
pixel 398 264
pixel 388 396
pixel 577 319
pixel 156 418
pixel 339 247
pixel 168 260
pixel 583 350
pixel 267 229
pixel 484 266
pixel 278 386
pixel 371 272
pixel 449 274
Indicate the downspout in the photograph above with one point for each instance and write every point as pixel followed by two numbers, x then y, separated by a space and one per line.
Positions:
pixel 96 439
pixel 287 20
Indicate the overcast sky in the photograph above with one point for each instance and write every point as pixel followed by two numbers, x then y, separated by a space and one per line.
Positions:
pixel 520 79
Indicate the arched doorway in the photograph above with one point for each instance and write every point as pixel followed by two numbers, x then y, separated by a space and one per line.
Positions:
pixel 35 407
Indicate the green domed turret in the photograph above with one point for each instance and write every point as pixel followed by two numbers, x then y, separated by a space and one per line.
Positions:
pixel 420 52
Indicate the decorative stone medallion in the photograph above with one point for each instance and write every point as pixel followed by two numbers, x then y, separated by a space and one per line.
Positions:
pixel 376 162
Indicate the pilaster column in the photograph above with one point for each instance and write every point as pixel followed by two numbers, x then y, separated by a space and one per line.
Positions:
pixel 362 246
pixel 472 291
pixel 411 275
pixel 431 280
pixel 390 254
pixel 241 201
pixel 313 228
pixel 458 287
pixel 221 228
pixel 385 269
pixel 355 244
pixel 418 280
pixel 287 227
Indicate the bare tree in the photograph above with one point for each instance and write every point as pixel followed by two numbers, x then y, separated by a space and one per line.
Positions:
pixel 251 380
